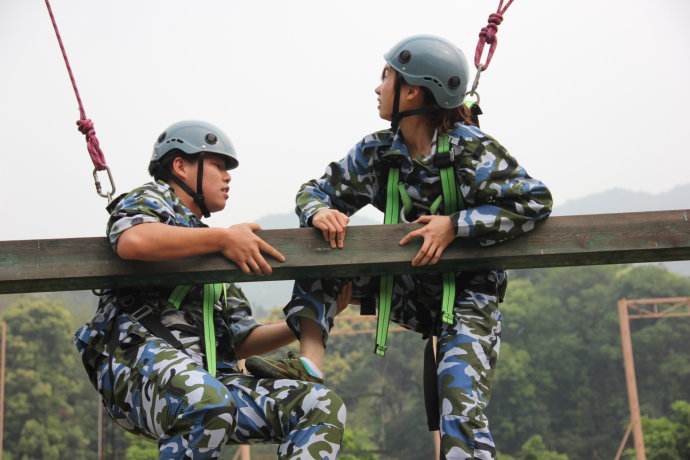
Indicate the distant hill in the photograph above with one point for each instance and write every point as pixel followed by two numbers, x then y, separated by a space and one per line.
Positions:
pixel 621 200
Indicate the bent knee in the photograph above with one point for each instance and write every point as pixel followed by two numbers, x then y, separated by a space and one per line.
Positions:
pixel 322 404
pixel 202 395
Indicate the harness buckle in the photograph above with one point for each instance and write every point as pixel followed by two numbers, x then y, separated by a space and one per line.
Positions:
pixel 392 158
pixel 444 160
pixel 141 313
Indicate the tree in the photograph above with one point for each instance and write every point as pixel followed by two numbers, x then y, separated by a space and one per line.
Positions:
pixel 50 407
pixel 535 449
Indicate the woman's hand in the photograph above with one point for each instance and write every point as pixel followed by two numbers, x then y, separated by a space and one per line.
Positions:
pixel 437 232
pixel 332 224
pixel 245 248
pixel 344 298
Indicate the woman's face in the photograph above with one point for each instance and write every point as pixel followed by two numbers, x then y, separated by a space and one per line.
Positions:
pixel 386 93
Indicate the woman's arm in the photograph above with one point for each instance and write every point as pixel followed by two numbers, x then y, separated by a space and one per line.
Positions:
pixel 503 202
pixel 347 185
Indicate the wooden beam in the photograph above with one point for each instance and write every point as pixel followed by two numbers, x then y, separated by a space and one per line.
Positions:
pixel 88 263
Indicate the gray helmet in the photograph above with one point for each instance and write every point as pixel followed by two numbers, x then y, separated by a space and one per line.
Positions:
pixel 433 63
pixel 192 137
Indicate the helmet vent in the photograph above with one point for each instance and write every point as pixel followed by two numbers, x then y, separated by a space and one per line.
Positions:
pixel 453 82
pixel 161 138
pixel 211 139
pixel 404 57
pixel 434 80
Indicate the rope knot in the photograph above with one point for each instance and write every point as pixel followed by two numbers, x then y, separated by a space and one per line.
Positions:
pixel 495 18
pixel 488 33
pixel 85 126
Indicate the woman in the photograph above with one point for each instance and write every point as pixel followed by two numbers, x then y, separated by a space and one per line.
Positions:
pixel 421 93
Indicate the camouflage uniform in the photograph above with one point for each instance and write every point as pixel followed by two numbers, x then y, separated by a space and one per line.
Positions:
pixel 151 388
pixel 501 202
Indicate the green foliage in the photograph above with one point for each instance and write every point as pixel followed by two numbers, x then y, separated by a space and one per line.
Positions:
pixel 141 448
pixel 50 407
pixel 667 438
pixel 560 374
pixel 559 391
pixel 535 449
pixel 358 442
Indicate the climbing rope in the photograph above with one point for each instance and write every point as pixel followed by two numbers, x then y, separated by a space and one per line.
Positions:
pixel 487 36
pixel 85 125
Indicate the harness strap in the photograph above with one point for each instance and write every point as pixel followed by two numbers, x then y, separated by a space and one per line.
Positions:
pixel 392 216
pixel 212 293
pixel 451 204
pixel 395 194
pixel 178 294
pixel 407 201
pixel 431 402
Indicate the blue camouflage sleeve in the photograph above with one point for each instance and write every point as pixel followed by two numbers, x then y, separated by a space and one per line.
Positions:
pixel 502 201
pixel 141 205
pixel 347 185
pixel 239 314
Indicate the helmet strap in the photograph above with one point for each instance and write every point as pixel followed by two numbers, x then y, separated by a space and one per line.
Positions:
pixel 395 119
pixel 198 195
pixel 397 114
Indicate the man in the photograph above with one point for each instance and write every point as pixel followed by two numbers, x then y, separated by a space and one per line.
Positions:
pixel 143 350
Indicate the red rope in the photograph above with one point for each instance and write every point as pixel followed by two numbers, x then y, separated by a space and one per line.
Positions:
pixel 85 125
pixel 488 35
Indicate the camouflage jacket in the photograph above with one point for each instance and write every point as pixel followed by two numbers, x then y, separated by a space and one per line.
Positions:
pixel 157 202
pixel 501 200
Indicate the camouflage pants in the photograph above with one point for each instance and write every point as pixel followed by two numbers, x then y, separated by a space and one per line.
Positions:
pixel 164 394
pixel 467 350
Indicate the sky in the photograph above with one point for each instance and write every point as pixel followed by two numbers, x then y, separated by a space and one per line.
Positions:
pixel 587 95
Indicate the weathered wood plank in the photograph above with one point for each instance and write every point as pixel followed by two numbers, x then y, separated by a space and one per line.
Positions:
pixel 87 263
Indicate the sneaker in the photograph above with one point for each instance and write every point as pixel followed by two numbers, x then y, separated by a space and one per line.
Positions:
pixel 287 368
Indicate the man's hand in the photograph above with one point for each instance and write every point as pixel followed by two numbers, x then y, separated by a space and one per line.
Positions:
pixel 244 247
pixel 437 232
pixel 332 224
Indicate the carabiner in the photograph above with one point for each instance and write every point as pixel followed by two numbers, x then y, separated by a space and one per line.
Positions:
pixel 109 194
pixel 473 91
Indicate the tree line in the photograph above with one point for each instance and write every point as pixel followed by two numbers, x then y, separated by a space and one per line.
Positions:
pixel 559 389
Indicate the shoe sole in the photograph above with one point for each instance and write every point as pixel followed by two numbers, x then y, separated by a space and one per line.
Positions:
pixel 264 370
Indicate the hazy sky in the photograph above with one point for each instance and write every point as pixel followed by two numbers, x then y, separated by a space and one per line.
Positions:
pixel 588 95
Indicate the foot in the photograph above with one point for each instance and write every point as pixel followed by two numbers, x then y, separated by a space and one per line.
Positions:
pixel 292 367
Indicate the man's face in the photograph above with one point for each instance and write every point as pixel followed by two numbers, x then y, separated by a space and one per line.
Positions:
pixel 216 183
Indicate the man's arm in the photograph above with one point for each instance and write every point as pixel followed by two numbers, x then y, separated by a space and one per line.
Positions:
pixel 158 241
pixel 264 339
pixel 268 337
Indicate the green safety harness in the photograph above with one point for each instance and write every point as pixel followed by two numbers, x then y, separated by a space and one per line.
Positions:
pixel 147 315
pixel 395 194
pixel 212 294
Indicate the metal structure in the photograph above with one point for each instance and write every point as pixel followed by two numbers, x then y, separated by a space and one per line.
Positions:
pixel 666 307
